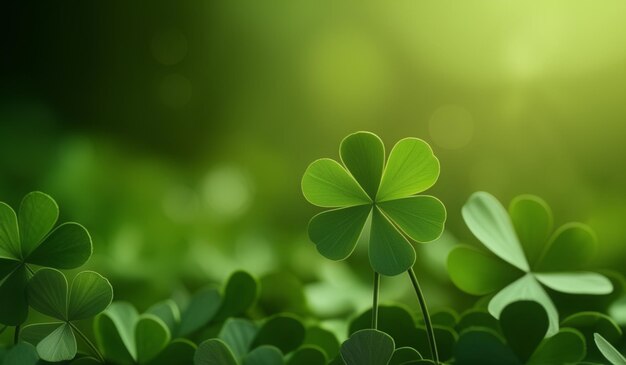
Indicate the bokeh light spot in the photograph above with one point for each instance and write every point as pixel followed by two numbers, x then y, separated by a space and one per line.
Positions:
pixel 169 46
pixel 227 191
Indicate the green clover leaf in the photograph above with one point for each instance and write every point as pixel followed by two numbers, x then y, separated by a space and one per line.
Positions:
pixel 365 188
pixel 50 294
pixel 523 340
pixel 25 240
pixel 126 337
pixel 527 256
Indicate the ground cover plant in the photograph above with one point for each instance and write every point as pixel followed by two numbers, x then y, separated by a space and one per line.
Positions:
pixel 524 281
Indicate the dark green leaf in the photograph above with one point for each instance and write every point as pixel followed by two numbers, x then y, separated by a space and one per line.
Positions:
pixel 336 232
pixel 420 217
pixel 151 336
pixel 404 355
pixel 569 249
pixel 13 302
pixel 308 355
pixel 394 320
pixel 264 355
pixel 484 347
pixel 524 325
pixel 566 347
pixel 67 247
pixel 323 339
pixel 389 252
pixel 238 334
pixel 21 354
pixel 59 345
pixel 9 236
pixel 179 351
pixel 201 309
pixel 47 293
pixel 532 219
pixel 368 347
pixel 91 293
pixel 445 338
pixel 168 312
pixel 240 294
pixel 284 331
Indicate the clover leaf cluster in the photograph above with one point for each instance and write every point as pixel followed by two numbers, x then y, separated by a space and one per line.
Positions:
pixel 365 187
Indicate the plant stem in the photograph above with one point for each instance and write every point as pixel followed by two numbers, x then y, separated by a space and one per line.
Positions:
pixel 429 326
pixel 375 300
pixel 88 342
pixel 3 329
pixel 16 335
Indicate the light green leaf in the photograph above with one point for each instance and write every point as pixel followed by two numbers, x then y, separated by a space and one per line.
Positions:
pixel 202 307
pixel 523 334
pixel 115 332
pixel 21 354
pixel 308 355
pixel 47 293
pixel 283 331
pixel 336 232
pixel 13 302
pixel 59 345
pixel 238 334
pixel 566 347
pixel 404 355
pixel 490 223
pixel 91 293
pixel 368 347
pixel 363 153
pixel 576 282
pixel 241 292
pixel 9 236
pixel 609 352
pixel 168 312
pixel 67 247
pixel 569 249
pixel 327 184
pixel 420 217
pixel 526 288
pixel 179 351
pixel 411 169
pixel 389 252
pixel 264 355
pixel 532 219
pixel 151 336
pixel 37 215
pixel 214 352
pixel 477 272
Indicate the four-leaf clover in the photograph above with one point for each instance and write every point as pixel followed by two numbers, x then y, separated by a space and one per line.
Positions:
pixel 31 243
pixel 527 257
pixel 364 187
pixel 50 294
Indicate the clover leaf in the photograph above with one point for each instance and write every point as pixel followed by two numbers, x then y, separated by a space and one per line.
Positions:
pixel 363 187
pixel 524 326
pixel 528 256
pixel 126 337
pixel 50 294
pixel 374 347
pixel 26 240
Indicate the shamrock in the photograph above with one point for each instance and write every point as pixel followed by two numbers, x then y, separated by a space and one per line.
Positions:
pixel 31 243
pixel 524 325
pixel 374 347
pixel 527 256
pixel 364 187
pixel 50 294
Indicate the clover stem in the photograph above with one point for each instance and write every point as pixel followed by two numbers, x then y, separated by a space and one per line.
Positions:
pixel 429 326
pixel 16 335
pixel 3 329
pixel 375 300
pixel 88 342
pixel 29 269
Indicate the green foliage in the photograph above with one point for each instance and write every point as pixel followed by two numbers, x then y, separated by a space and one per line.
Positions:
pixel 26 240
pixel 525 257
pixel 365 188
pixel 608 351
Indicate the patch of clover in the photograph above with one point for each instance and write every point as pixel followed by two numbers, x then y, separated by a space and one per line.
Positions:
pixel 525 257
pixel 363 187
pixel 27 241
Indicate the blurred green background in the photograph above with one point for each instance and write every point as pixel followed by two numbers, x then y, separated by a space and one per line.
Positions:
pixel 177 132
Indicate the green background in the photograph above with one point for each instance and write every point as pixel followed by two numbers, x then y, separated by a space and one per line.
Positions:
pixel 178 132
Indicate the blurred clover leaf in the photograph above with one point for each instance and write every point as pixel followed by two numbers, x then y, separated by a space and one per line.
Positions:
pixel 524 325
pixel 25 240
pixel 374 347
pixel 50 294
pixel 591 323
pixel 365 187
pixel 608 351
pixel 527 256
pixel 125 337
